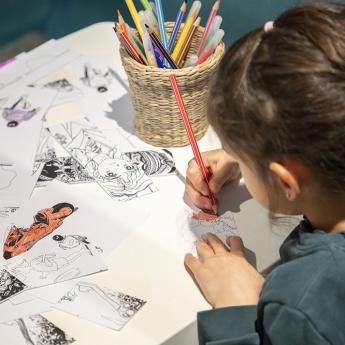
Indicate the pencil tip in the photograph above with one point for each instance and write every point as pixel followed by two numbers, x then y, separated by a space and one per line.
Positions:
pixel 146 26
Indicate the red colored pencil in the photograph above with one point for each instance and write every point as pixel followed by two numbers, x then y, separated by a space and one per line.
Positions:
pixel 192 138
pixel 126 40
pixel 210 20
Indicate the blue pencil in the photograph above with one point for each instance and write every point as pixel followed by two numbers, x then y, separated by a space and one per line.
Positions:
pixel 177 25
pixel 161 23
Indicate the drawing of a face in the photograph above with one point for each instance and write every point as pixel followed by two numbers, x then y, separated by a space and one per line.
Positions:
pixel 115 168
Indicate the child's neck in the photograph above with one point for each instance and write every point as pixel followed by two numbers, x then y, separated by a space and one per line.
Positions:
pixel 327 215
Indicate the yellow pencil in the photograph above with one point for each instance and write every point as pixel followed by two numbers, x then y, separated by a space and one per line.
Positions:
pixel 184 34
pixel 135 16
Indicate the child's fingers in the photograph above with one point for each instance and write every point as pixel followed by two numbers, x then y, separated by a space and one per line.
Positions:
pixel 198 199
pixel 216 244
pixel 223 174
pixel 191 262
pixel 195 177
pixel 204 250
pixel 236 245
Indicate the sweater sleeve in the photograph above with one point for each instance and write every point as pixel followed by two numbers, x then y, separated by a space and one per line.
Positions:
pixel 228 326
pixel 281 325
pixel 284 325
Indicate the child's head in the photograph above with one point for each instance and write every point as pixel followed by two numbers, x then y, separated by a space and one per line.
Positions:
pixel 278 104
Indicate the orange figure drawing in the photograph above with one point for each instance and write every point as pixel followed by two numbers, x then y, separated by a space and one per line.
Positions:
pixel 208 217
pixel 20 240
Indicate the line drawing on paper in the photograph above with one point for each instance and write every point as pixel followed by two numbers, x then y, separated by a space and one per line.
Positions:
pixel 153 163
pixel 7 176
pixel 120 177
pixel 115 309
pixel 46 264
pixel 9 285
pixel 52 263
pixel 37 330
pixel 21 110
pixel 7 211
pixel 97 78
pixel 20 240
pixel 66 90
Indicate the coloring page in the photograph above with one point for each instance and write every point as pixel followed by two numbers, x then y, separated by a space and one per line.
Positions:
pixel 194 223
pixel 103 306
pixel 35 64
pixel 98 81
pixel 9 285
pixel 33 330
pixel 63 233
pixel 10 311
pixel 55 163
pixel 20 129
pixel 103 159
pixel 66 90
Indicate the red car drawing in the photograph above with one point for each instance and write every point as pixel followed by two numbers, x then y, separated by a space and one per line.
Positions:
pixel 20 240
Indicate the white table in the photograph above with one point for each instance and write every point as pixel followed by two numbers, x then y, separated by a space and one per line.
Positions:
pixel 149 263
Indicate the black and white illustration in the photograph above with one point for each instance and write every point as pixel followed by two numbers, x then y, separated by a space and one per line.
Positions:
pixel 104 306
pixel 9 285
pixel 120 176
pixel 7 211
pixel 97 78
pixel 34 330
pixel 66 89
pixel 7 176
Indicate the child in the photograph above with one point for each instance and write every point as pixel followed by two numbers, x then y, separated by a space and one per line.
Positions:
pixel 278 106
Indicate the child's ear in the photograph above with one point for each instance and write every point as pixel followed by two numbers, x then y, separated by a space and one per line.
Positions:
pixel 288 179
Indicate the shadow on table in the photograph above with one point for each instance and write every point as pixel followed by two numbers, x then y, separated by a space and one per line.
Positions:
pixel 122 113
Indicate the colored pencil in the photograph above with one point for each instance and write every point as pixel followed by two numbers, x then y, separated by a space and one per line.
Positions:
pixel 188 42
pixel 187 27
pixel 161 23
pixel 146 5
pixel 134 14
pixel 138 45
pixel 191 137
pixel 177 25
pixel 210 19
pixel 211 46
pixel 159 45
pixel 127 42
pixel 122 22
pixel 121 41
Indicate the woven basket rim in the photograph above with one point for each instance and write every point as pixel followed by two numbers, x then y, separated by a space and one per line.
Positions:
pixel 206 65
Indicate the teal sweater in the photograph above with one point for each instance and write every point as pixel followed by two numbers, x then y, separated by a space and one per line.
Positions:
pixel 302 301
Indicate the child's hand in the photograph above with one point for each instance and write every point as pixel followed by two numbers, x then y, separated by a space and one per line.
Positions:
pixel 224 276
pixel 222 169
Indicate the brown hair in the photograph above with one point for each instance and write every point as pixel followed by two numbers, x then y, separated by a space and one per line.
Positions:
pixel 281 93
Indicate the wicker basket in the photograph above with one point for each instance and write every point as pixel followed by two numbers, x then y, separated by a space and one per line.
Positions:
pixel 157 119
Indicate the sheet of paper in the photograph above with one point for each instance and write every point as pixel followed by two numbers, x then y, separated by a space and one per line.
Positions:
pixel 103 306
pixel 193 224
pixel 123 175
pixel 33 330
pixel 10 311
pixel 21 116
pixel 36 64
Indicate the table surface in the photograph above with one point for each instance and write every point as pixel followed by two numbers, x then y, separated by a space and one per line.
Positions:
pixel 149 263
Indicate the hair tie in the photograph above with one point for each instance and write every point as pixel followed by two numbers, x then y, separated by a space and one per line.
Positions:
pixel 269 26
